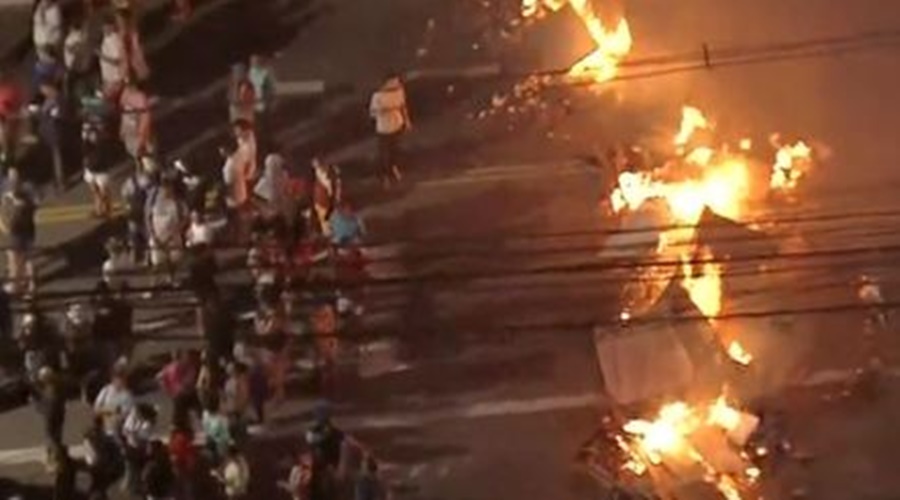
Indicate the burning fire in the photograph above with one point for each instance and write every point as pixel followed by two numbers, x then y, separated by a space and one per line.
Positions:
pixel 613 43
pixel 790 163
pixel 692 120
pixel 680 434
pixel 738 354
pixel 709 178
pixel 705 287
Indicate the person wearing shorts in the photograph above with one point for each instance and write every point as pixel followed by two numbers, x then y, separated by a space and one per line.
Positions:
pixel 166 223
pixel 19 207
pixel 97 159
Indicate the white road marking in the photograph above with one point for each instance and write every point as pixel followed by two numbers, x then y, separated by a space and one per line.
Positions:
pixel 301 87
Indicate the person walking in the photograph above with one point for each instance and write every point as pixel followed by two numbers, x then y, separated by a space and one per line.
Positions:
pixel 50 400
pixel 389 110
pixel 19 208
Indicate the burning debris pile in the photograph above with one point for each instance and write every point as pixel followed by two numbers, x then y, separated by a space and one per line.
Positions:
pixel 707 441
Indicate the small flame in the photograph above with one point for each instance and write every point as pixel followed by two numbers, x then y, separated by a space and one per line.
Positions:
pixel 738 354
pixel 791 162
pixel 745 144
pixel 692 120
pixel 666 434
pixel 722 415
pixel 613 43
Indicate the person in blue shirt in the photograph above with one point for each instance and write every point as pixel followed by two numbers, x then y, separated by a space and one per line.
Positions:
pixel 347 229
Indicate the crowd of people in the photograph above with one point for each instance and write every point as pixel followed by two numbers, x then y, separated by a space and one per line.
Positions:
pixel 300 236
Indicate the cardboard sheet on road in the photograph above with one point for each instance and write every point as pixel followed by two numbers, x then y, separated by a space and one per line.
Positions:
pixel 643 364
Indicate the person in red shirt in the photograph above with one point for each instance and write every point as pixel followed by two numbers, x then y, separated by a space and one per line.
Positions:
pixel 183 455
pixel 10 105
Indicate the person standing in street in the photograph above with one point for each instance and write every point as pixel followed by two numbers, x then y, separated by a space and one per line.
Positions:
pixel 50 129
pixel 97 160
pixel 263 81
pixel 166 222
pixel 50 399
pixel 234 475
pixel 135 191
pixel 19 207
pixel 113 62
pixel 134 64
pixel 135 126
pixel 78 60
pixel 241 97
pixel 47 25
pixel 114 403
pixel 389 110
pixel 183 457
pixel 11 95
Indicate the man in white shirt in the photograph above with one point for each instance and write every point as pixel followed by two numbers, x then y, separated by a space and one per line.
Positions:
pixel 113 404
pixel 166 223
pixel 47 25
pixel 388 108
pixel 112 59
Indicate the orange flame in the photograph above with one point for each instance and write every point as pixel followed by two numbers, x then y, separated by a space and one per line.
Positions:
pixel 649 443
pixel 692 120
pixel 704 288
pixel 738 354
pixel 791 162
pixel 612 43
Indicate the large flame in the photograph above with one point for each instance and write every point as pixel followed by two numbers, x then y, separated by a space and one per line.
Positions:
pixel 613 43
pixel 710 178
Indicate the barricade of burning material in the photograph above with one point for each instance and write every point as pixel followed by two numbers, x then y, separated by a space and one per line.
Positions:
pixel 681 448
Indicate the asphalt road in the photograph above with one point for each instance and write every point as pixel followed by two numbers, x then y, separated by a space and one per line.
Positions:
pixel 485 402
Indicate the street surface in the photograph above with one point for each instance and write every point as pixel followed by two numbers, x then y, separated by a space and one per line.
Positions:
pixel 492 380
